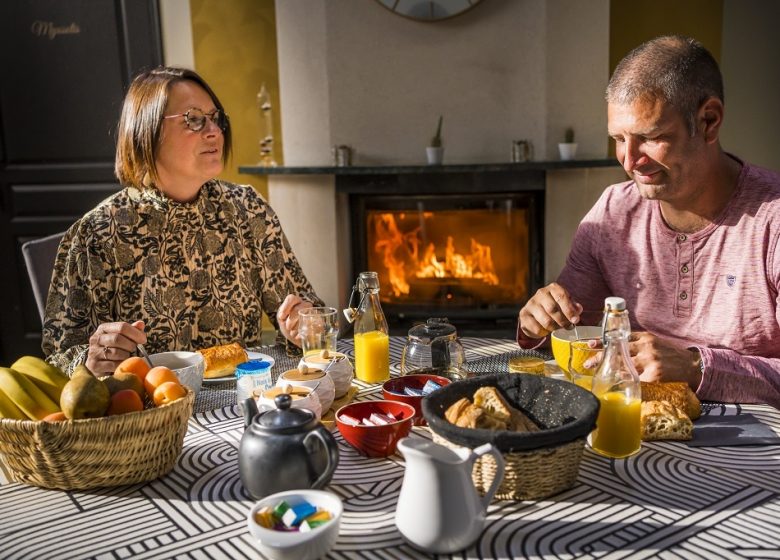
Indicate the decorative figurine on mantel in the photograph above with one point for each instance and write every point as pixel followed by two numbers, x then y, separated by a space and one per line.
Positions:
pixel 435 151
pixel 266 128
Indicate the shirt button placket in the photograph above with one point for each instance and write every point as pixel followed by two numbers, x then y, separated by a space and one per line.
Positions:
pixel 684 275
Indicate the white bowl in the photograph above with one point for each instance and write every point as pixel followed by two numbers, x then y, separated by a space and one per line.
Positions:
pixel 302 397
pixel 316 379
pixel 188 367
pixel 283 545
pixel 340 371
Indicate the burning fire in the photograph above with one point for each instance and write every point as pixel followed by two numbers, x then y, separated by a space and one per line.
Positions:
pixel 401 253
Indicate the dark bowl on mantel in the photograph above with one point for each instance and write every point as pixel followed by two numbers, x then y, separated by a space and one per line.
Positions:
pixel 564 411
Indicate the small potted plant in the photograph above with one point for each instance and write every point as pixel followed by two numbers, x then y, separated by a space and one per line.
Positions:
pixel 568 148
pixel 435 151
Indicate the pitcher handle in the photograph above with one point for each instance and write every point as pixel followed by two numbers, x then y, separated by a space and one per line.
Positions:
pixel 333 455
pixel 482 450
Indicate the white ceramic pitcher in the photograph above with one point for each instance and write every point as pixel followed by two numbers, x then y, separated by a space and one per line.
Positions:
pixel 439 510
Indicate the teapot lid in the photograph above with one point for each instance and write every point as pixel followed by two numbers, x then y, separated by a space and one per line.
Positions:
pixel 284 417
pixel 432 329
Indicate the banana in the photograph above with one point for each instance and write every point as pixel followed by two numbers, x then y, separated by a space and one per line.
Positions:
pixel 47 377
pixel 26 395
pixel 8 409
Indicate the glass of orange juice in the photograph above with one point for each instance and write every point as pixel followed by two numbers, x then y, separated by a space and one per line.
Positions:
pixel 585 356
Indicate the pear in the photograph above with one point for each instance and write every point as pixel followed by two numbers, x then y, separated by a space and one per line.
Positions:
pixel 84 396
pixel 124 380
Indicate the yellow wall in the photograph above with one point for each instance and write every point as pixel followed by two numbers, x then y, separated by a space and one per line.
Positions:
pixel 635 21
pixel 631 22
pixel 235 51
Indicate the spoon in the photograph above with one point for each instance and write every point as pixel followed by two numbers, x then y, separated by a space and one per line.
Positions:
pixel 142 350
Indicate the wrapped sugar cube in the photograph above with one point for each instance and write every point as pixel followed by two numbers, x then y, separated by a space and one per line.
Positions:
pixel 379 419
pixel 297 513
pixel 347 419
pixel 430 386
pixel 412 392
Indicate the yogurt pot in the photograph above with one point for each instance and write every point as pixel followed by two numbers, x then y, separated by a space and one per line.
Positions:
pixel 302 397
pixel 316 379
pixel 341 371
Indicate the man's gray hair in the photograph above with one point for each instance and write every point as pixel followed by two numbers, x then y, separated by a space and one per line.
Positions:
pixel 675 69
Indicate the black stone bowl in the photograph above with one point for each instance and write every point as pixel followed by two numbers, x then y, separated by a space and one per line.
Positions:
pixel 563 410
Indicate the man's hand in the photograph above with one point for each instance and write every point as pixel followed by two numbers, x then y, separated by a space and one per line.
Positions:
pixel 550 308
pixel 111 343
pixel 658 359
pixel 287 316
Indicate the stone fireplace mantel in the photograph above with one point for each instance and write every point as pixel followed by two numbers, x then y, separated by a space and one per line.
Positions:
pixel 312 203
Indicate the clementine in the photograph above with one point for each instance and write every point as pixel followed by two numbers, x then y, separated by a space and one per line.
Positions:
pixel 135 365
pixel 168 392
pixel 157 376
pixel 55 417
pixel 124 401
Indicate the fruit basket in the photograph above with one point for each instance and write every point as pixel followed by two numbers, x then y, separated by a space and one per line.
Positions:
pixel 538 464
pixel 96 452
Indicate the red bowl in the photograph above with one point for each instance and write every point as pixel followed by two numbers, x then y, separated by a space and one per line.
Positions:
pixel 375 441
pixel 393 390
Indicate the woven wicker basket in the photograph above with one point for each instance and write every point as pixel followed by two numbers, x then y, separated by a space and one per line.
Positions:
pixel 538 464
pixel 528 475
pixel 93 453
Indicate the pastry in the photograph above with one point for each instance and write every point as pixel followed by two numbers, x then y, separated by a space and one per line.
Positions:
pixel 663 420
pixel 456 409
pixel 491 400
pixel 677 393
pixel 222 360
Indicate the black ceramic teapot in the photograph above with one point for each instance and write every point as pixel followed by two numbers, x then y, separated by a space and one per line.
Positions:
pixel 284 449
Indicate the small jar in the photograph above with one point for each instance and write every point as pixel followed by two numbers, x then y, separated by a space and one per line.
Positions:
pixel 251 375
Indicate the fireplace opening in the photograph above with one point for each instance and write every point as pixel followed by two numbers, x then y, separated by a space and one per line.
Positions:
pixel 473 258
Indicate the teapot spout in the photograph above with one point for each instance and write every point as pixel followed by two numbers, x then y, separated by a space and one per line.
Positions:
pixel 250 411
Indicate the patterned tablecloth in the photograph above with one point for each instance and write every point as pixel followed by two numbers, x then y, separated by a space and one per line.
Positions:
pixel 668 501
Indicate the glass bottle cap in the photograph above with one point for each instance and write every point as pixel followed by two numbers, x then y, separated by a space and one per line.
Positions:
pixel 614 304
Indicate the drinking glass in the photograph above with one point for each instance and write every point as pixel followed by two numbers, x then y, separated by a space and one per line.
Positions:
pixel 585 356
pixel 318 329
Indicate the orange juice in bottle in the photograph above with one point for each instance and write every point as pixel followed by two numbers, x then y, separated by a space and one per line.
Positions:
pixel 372 348
pixel 372 353
pixel 616 384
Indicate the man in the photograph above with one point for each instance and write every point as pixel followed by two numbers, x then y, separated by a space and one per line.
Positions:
pixel 691 241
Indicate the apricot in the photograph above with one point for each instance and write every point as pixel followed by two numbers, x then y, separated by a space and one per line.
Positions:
pixel 168 392
pixel 157 376
pixel 124 401
pixel 135 365
pixel 55 417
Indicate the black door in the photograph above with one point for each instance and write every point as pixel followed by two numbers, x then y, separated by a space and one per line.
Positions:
pixel 64 68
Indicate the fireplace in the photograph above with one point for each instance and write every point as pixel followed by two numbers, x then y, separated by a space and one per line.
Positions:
pixel 474 258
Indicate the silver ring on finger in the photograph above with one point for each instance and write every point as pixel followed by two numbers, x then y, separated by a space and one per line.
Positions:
pixel 105 349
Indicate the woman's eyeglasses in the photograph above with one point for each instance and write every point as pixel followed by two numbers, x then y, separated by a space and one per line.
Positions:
pixel 196 119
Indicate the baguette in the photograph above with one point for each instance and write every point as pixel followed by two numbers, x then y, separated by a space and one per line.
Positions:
pixel 663 420
pixel 221 361
pixel 490 411
pixel 677 393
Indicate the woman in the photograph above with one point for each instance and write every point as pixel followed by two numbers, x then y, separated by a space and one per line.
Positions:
pixel 177 260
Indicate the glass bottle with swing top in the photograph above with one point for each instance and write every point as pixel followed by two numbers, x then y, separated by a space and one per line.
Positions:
pixel 616 385
pixel 372 341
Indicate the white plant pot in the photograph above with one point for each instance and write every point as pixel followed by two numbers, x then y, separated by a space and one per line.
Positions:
pixel 435 154
pixel 567 150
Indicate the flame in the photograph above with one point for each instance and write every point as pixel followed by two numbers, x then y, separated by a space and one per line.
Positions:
pixel 401 257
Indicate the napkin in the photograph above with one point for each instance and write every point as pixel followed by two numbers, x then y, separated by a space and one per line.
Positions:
pixel 740 429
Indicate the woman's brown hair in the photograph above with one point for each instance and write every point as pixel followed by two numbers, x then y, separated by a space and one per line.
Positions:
pixel 141 120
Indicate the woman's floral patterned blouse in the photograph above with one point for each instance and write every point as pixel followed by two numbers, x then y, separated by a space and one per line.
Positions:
pixel 198 273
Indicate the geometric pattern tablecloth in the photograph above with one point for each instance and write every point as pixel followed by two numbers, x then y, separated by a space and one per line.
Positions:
pixel 668 501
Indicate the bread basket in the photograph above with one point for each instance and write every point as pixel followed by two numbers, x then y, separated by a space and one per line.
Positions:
pixel 538 464
pixel 96 452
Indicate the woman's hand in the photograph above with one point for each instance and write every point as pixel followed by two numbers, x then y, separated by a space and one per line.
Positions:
pixel 287 316
pixel 658 359
pixel 111 344
pixel 550 308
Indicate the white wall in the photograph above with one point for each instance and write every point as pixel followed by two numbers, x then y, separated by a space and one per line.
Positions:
pixel 354 73
pixel 751 74
pixel 176 29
